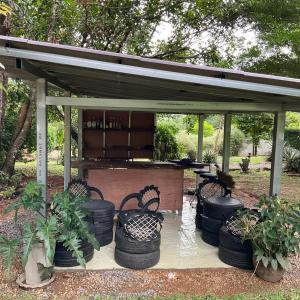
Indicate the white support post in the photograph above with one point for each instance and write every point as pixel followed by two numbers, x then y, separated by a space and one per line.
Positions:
pixel 41 134
pixel 79 142
pixel 277 153
pixel 67 147
pixel 226 143
pixel 201 119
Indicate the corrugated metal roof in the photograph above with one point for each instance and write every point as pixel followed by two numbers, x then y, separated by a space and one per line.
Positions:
pixel 89 81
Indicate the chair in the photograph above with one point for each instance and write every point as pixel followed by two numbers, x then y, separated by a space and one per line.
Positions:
pixel 147 203
pixel 79 188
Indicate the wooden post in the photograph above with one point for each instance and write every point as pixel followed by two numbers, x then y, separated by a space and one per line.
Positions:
pixel 67 146
pixel 226 143
pixel 80 171
pixel 277 153
pixel 41 136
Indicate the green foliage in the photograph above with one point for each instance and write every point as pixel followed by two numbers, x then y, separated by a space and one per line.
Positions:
pixel 291 157
pixel 188 144
pixel 65 223
pixel 277 234
pixel 292 120
pixel 8 251
pixel 166 145
pixel 292 137
pixel 244 164
pixel 209 156
pixel 192 124
pixel 29 239
pixel 237 138
pixel 72 229
pixel 256 126
pixel 18 93
pixel 46 232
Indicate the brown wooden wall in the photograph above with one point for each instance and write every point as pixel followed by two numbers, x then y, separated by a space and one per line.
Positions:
pixel 118 135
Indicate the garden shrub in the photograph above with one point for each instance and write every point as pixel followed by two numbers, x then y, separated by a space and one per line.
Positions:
pixel 291 157
pixel 237 139
pixel 166 145
pixel 292 137
pixel 210 156
pixel 188 144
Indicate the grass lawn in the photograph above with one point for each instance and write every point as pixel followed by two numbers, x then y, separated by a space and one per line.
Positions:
pixel 258 182
pixel 29 168
pixel 288 295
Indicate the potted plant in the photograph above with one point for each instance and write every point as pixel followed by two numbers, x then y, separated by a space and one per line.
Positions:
pixel 39 237
pixel 274 237
pixel 75 245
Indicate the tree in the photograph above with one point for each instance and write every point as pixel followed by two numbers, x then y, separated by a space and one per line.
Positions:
pixel 21 124
pixel 200 31
pixel 257 126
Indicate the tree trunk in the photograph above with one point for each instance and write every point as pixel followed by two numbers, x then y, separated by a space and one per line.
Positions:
pixel 61 116
pixel 20 134
pixel 3 80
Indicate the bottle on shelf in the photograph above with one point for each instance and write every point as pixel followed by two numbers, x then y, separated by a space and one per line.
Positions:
pixel 89 123
pixel 110 123
pixel 94 123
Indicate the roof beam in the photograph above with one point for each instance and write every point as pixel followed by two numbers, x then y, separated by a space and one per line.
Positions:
pixel 162 105
pixel 31 68
pixel 105 76
pixel 147 72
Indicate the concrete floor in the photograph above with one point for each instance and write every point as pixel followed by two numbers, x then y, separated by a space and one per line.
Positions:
pixel 181 246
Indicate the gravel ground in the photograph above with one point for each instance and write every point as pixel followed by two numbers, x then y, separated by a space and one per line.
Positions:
pixel 147 283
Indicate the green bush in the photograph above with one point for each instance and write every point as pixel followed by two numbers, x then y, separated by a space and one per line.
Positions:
pixel 292 137
pixel 210 156
pixel 188 143
pixel 291 157
pixel 166 145
pixel 237 139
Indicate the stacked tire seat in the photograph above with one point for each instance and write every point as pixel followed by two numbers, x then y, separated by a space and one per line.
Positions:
pixel 63 257
pixel 233 251
pixel 102 212
pixel 215 211
pixel 101 220
pixel 138 231
pixel 210 187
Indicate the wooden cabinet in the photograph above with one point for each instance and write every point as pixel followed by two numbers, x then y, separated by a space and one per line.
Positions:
pixel 118 135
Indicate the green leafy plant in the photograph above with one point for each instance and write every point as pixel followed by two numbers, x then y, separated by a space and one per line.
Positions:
pixel 291 157
pixel 209 156
pixel 43 231
pixel 72 228
pixel 64 223
pixel 244 164
pixel 276 235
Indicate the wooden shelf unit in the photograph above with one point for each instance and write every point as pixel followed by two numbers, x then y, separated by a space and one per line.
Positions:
pixel 118 134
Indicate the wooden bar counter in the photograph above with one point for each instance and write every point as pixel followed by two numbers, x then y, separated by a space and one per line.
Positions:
pixel 116 179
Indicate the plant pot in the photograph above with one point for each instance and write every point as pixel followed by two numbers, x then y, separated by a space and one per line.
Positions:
pixel 32 273
pixel 267 274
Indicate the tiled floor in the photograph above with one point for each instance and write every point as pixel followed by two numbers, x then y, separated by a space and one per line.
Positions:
pixel 181 246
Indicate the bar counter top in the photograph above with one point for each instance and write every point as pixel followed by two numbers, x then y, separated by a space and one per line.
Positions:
pixel 118 164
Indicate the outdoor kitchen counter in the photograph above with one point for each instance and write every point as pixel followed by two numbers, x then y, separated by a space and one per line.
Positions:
pixel 117 179
pixel 84 164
